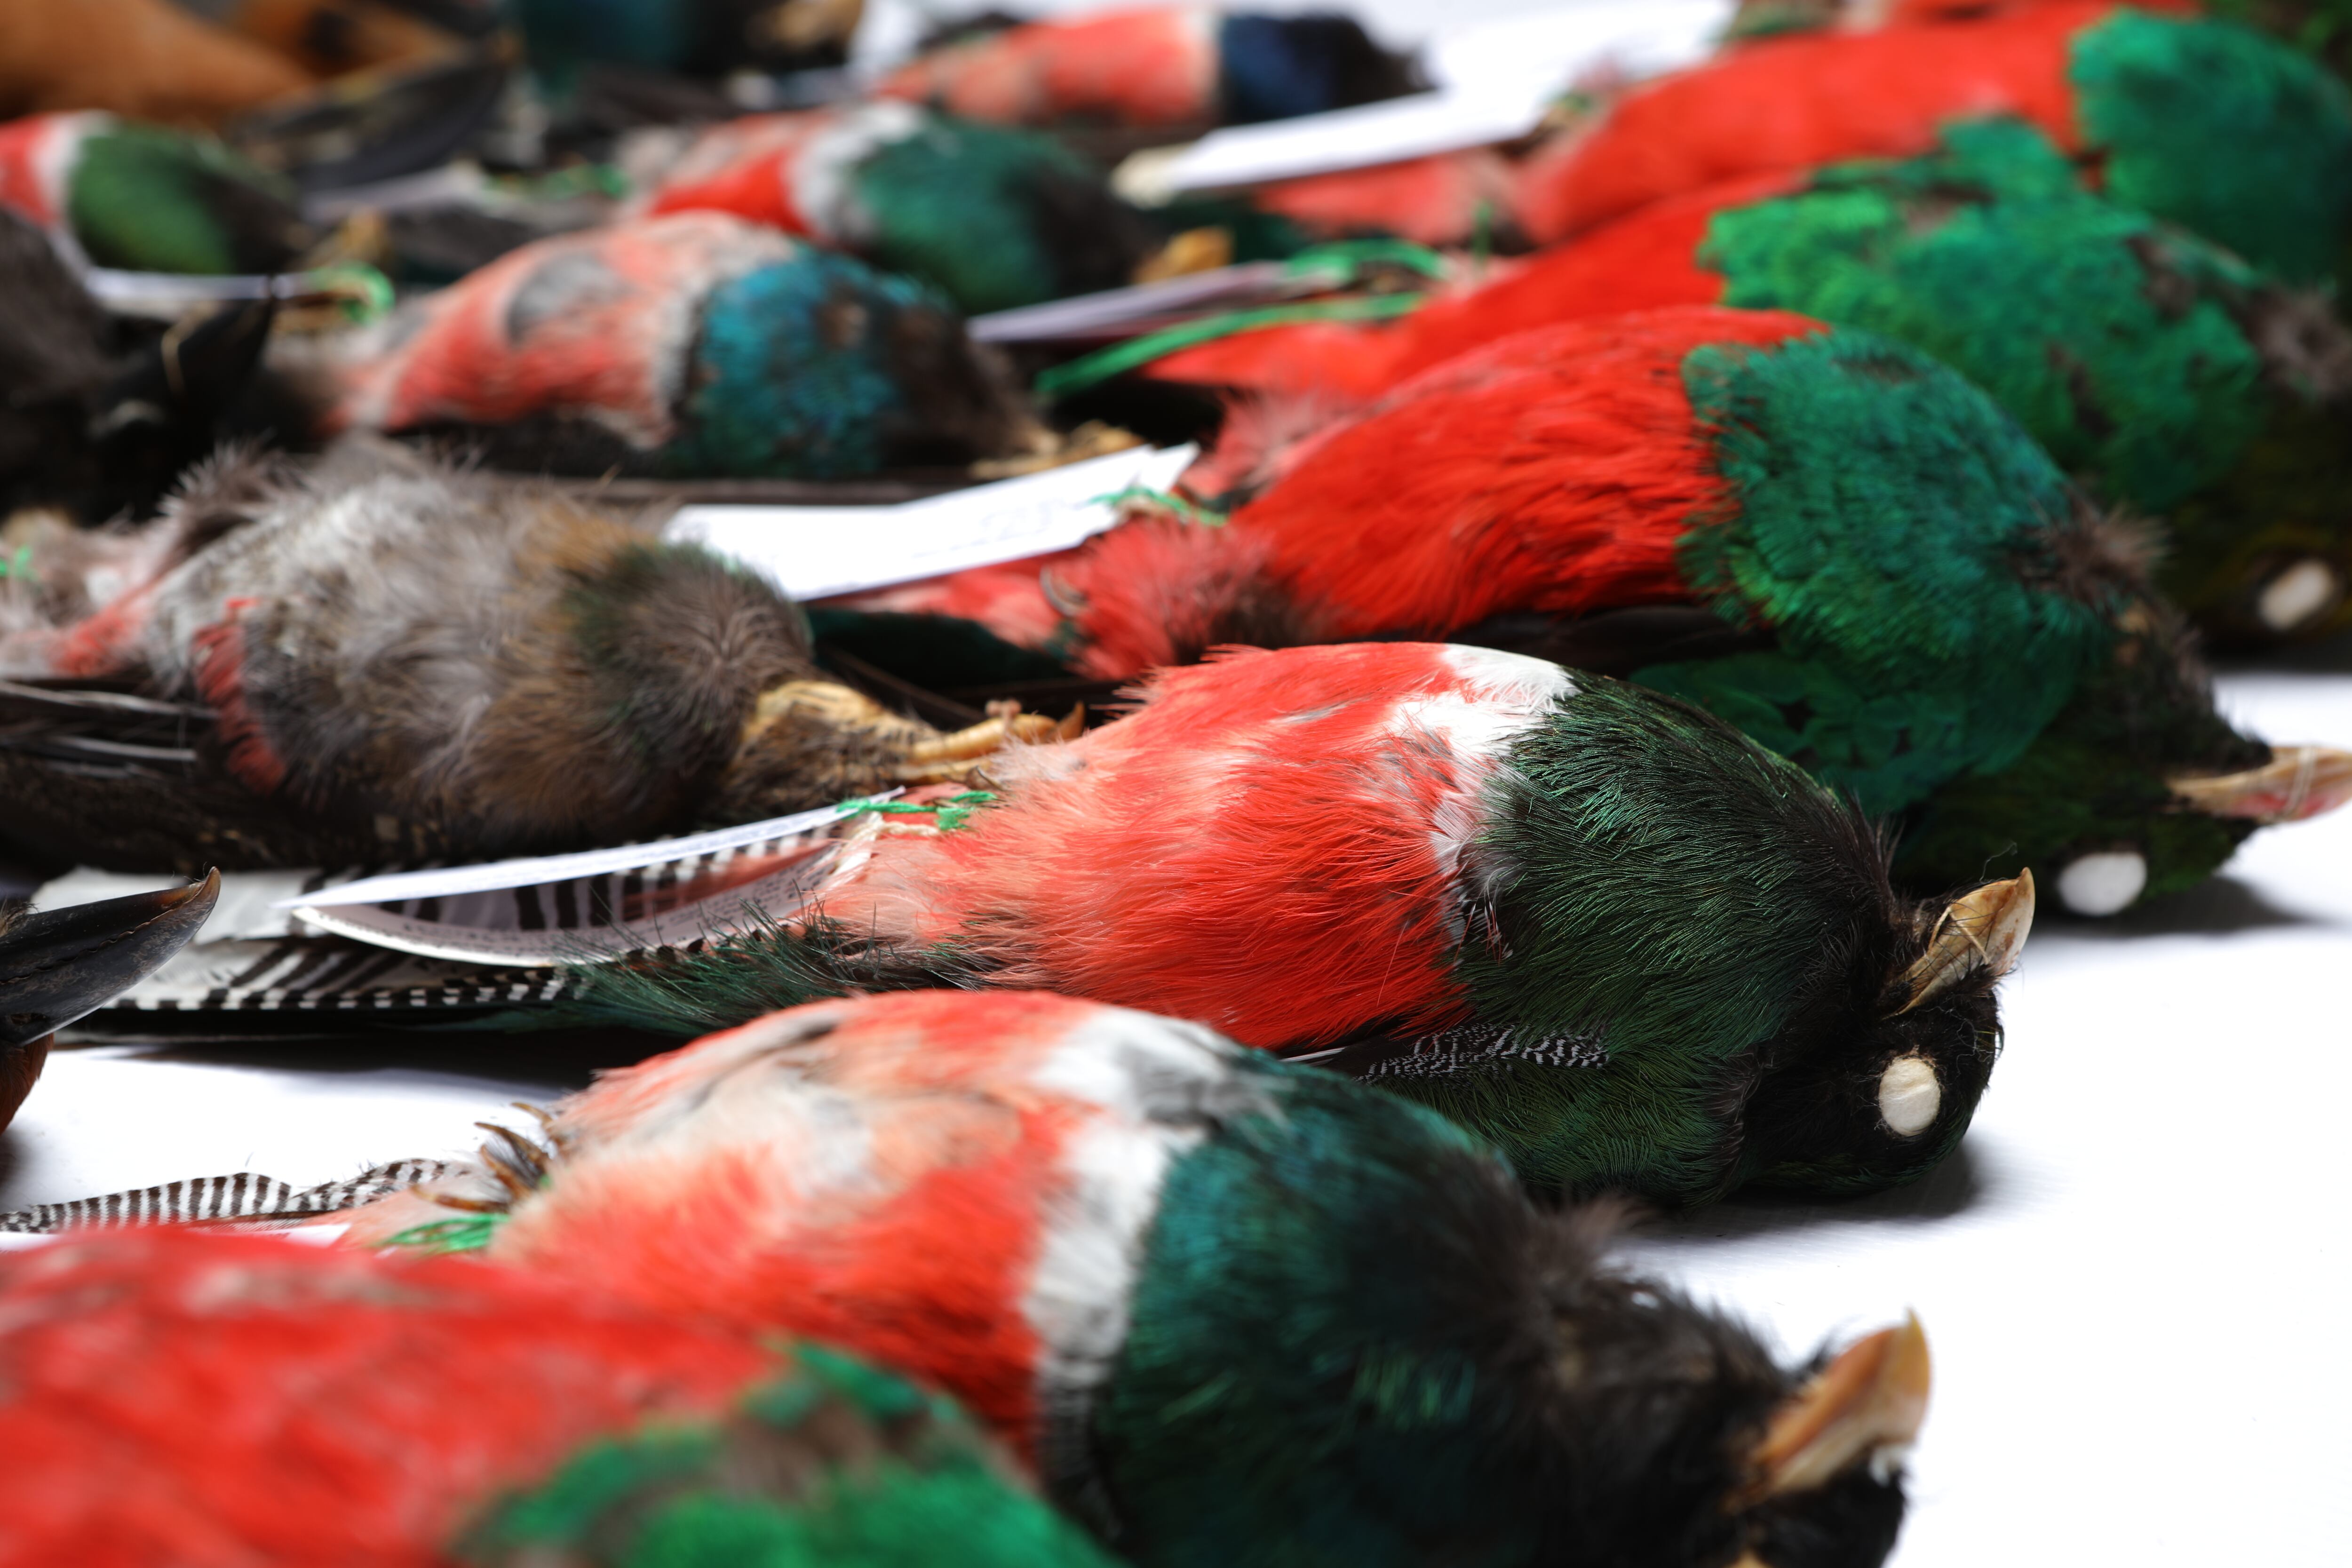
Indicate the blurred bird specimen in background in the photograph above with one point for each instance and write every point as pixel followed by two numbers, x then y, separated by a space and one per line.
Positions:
pixel 1824 537
pixel 694 344
pixel 208 1401
pixel 1179 67
pixel 995 217
pixel 691 38
pixel 58 966
pixel 98 416
pixel 2165 374
pixel 1232 1310
pixel 146 198
pixel 2211 125
pixel 1600 927
pixel 384 658
pixel 151 59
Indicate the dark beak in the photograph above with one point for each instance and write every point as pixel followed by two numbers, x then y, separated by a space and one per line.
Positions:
pixel 59 965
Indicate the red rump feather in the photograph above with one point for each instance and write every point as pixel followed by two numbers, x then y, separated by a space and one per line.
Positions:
pixel 1796 101
pixel 205 1401
pixel 1262 847
pixel 1438 200
pixel 921 1254
pixel 219 661
pixel 1146 66
pixel 1553 471
pixel 1638 263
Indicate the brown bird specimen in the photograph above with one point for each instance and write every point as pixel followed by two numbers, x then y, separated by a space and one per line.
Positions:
pixel 389 657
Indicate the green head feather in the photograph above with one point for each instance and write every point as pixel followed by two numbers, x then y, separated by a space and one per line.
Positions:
pixel 2164 98
pixel 152 200
pixel 1891 526
pixel 1697 907
pixel 1334 1271
pixel 2114 340
pixel 776 1485
pixel 820 367
pixel 995 217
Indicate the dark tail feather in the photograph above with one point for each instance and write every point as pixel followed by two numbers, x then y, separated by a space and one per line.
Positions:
pixel 682 993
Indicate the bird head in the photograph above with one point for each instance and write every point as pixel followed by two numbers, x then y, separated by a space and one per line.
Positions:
pixel 1887 1107
pixel 2138 787
pixel 58 966
pixel 1824 1478
pixel 1703 974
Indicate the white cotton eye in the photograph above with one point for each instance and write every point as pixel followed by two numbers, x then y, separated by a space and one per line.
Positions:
pixel 2298 597
pixel 2104 882
pixel 1910 1095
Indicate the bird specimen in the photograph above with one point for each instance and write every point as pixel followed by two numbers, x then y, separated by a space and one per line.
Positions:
pixel 994 217
pixel 150 58
pixel 147 198
pixel 699 38
pixel 208 1401
pixel 1163 65
pixel 1599 926
pixel 2163 372
pixel 2235 136
pixel 385 657
pixel 96 416
pixel 58 966
pixel 1230 1310
pixel 1826 538
pixel 691 345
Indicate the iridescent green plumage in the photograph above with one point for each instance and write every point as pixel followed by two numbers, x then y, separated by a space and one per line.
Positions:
pixel 2169 374
pixel 154 200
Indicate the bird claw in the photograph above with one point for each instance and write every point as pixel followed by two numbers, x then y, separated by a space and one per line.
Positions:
pixel 951 757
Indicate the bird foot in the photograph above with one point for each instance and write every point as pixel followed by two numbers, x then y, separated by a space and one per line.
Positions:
pixel 952 757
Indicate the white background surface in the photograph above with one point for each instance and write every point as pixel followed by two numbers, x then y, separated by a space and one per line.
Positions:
pixel 2134 1274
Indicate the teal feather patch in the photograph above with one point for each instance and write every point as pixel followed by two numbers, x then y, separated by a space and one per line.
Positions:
pixel 2113 339
pixel 995 217
pixel 1891 527
pixel 792 372
pixel 1321 1273
pixel 2151 92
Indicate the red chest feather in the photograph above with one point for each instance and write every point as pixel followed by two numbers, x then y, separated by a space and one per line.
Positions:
pixel 1269 846
pixel 1152 66
pixel 1794 102
pixel 1551 471
pixel 193 1400
pixel 1641 263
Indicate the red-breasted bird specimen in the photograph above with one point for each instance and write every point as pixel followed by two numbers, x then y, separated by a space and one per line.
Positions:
pixel 2236 136
pixel 691 345
pixel 385 657
pixel 1156 66
pixel 2163 372
pixel 175 1400
pixel 1605 930
pixel 58 966
pixel 148 198
pixel 1232 1310
pixel 992 216
pixel 1827 538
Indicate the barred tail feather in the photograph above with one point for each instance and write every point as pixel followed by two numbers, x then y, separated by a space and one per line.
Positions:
pixel 245 1197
